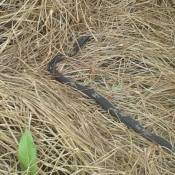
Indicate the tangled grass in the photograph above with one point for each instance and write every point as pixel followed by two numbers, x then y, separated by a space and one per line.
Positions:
pixel 131 61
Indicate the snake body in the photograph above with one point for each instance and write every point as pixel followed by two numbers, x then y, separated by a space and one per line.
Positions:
pixel 100 100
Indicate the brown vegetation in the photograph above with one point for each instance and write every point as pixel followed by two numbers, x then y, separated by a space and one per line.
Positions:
pixel 131 61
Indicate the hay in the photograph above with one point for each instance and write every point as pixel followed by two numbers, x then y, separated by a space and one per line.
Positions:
pixel 131 61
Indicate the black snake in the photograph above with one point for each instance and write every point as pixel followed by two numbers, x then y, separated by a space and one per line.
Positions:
pixel 100 100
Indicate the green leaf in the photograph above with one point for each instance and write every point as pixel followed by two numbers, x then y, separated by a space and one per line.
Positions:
pixel 27 153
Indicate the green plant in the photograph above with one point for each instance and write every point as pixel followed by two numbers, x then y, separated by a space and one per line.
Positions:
pixel 27 154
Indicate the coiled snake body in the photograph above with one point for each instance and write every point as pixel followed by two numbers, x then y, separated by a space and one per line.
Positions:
pixel 100 100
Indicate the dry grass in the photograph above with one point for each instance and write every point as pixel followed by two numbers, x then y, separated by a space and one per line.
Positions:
pixel 131 61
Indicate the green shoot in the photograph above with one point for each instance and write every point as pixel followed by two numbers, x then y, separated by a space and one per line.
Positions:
pixel 27 154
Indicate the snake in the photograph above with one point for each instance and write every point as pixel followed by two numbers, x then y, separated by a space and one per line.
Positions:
pixel 103 102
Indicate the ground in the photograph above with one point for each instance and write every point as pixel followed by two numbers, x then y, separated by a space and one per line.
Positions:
pixel 130 61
